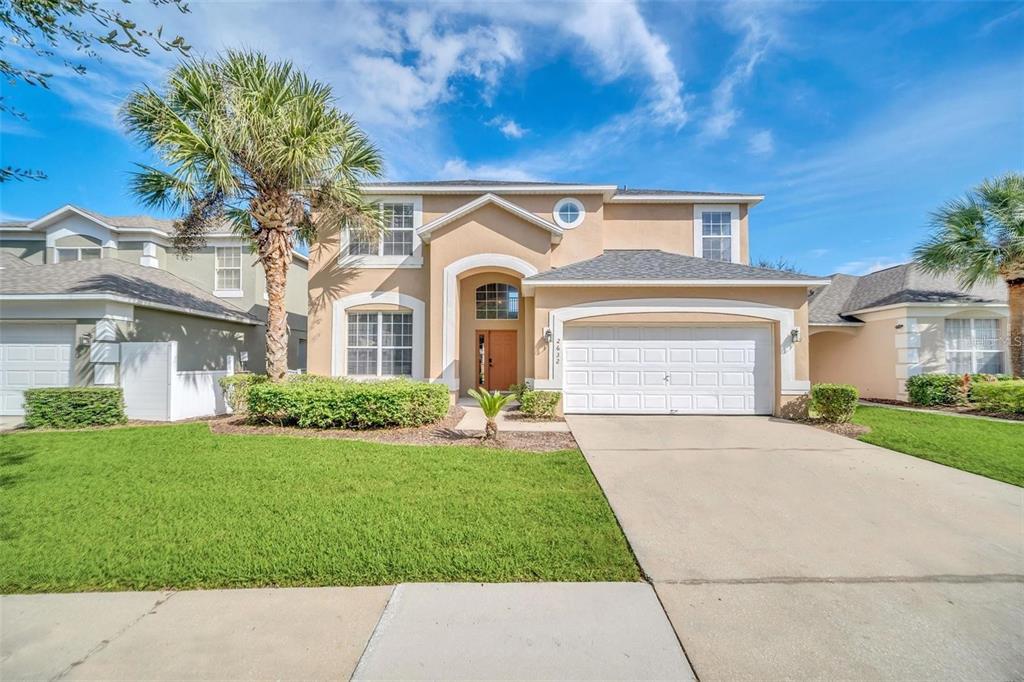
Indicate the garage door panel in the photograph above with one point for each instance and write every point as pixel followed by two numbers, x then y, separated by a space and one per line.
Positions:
pixel 675 369
pixel 676 355
pixel 627 355
pixel 32 355
pixel 658 355
pixel 680 378
pixel 575 355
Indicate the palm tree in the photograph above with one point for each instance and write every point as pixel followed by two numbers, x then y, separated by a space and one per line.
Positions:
pixel 980 237
pixel 259 146
pixel 491 404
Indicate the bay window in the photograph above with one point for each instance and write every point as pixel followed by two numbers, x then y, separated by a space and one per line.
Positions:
pixel 973 346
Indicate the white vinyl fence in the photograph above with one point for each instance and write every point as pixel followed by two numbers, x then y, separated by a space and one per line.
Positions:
pixel 155 390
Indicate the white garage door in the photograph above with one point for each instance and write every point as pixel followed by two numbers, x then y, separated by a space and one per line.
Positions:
pixel 668 370
pixel 32 355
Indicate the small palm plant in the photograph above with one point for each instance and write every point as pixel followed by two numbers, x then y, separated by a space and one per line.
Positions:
pixel 981 238
pixel 491 404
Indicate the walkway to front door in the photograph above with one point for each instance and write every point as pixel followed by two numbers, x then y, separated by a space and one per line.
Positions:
pixel 496 364
pixel 781 551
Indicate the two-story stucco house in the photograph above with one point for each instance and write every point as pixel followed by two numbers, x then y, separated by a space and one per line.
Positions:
pixel 627 301
pixel 74 283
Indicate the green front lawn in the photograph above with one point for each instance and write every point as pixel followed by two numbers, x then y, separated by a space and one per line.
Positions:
pixel 989 448
pixel 176 506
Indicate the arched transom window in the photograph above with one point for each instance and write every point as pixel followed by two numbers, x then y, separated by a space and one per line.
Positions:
pixel 497 301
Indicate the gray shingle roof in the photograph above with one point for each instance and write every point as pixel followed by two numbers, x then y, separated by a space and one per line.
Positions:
pixel 653 264
pixel 900 284
pixel 116 277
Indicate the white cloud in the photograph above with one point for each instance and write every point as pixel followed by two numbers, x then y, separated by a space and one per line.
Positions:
pixel 620 39
pixel 759 24
pixel 866 266
pixel 762 143
pixel 508 127
pixel 817 253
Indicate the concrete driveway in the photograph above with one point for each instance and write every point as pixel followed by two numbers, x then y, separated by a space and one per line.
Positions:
pixel 782 551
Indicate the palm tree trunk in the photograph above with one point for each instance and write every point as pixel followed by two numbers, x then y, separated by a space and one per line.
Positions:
pixel 1016 324
pixel 491 430
pixel 274 241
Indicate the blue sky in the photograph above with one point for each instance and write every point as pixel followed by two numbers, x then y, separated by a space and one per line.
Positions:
pixel 855 119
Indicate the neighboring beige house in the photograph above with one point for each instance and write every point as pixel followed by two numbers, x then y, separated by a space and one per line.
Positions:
pixel 877 330
pixel 627 301
pixel 74 283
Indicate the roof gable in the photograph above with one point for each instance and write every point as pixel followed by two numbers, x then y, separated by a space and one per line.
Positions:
pixel 488 199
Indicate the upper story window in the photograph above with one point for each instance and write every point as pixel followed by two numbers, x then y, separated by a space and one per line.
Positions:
pixel 397 240
pixel 497 301
pixel 66 254
pixel 569 213
pixel 716 233
pixel 228 268
pixel 972 347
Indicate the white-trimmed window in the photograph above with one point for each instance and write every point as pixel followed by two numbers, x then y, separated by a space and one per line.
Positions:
pixel 716 232
pixel 397 240
pixel 379 344
pixel 228 269
pixel 973 346
pixel 68 254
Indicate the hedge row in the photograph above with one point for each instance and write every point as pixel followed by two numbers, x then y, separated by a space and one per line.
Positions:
pixel 999 396
pixel 72 408
pixel 340 403
pixel 938 389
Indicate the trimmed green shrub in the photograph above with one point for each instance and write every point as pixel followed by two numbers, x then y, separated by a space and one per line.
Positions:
pixel 834 403
pixel 540 404
pixel 236 388
pixel 518 390
pixel 937 389
pixel 999 396
pixel 73 408
pixel 341 403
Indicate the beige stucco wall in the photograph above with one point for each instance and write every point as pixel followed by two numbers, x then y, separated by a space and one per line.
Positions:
pixel 491 229
pixel 864 356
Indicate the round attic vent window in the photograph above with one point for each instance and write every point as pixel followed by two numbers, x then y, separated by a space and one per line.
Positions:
pixel 569 213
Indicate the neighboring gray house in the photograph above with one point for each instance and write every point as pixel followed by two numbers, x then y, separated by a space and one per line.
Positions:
pixel 875 331
pixel 75 279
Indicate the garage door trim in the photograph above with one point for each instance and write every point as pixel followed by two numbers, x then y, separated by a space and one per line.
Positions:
pixel 785 351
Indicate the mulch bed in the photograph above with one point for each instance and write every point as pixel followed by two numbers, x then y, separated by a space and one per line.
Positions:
pixel 956 409
pixel 441 433
pixel 850 430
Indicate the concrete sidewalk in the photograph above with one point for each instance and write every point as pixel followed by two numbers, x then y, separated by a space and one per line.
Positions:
pixel 413 631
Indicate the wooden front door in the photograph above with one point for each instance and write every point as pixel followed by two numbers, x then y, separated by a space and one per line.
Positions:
pixel 496 358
